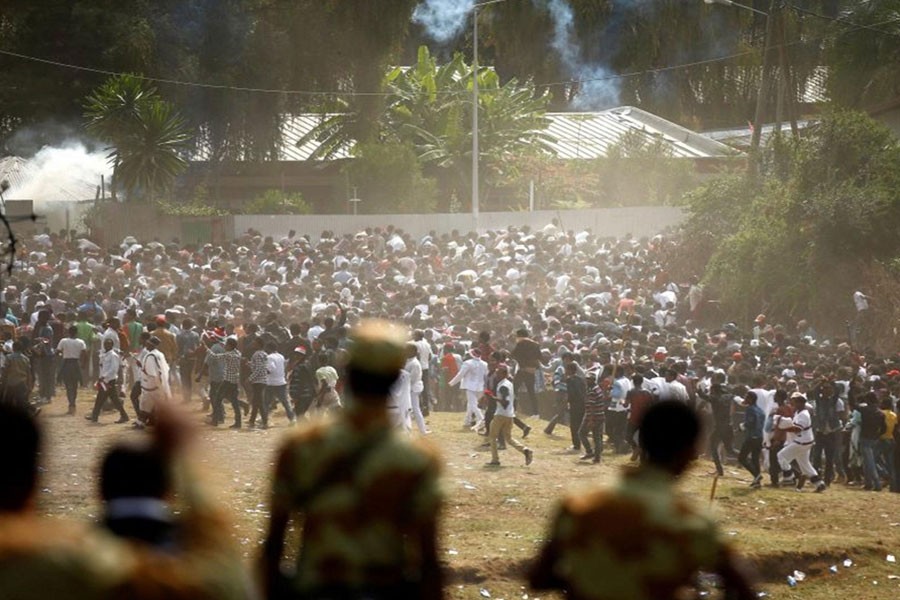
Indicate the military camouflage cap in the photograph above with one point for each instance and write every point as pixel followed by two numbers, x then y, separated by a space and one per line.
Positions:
pixel 378 347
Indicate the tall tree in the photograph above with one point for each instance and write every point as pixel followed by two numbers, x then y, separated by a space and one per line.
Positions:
pixel 865 61
pixel 146 138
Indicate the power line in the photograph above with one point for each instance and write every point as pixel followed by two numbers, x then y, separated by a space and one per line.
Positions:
pixel 707 61
pixel 843 21
pixel 334 94
pixel 213 86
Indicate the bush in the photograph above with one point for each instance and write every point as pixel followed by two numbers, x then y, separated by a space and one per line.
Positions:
pixel 276 202
pixel 797 242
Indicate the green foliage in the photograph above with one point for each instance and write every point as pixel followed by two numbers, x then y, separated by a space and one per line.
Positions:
pixel 146 138
pixel 426 110
pixel 389 179
pixel 796 245
pixel 194 208
pixel 276 202
pixel 864 65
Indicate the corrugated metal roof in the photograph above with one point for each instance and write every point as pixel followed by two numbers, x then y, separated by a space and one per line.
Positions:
pixel 590 135
pixel 586 135
pixel 740 137
pixel 15 170
pixel 294 128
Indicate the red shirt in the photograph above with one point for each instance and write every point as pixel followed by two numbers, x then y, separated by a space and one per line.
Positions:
pixel 639 401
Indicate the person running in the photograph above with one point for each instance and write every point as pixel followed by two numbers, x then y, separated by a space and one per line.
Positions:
pixel 276 381
pixel 798 445
pixel 754 422
pixel 501 425
pixel 471 379
pixel 71 349
pixel 108 384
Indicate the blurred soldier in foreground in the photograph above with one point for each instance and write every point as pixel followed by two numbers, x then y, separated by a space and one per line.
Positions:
pixel 369 497
pixel 188 557
pixel 43 558
pixel 639 540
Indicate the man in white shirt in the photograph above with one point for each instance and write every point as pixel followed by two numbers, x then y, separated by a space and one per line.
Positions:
pixel 471 378
pixel 71 350
pixel 414 369
pixel 799 444
pixel 501 424
pixel 398 406
pixel 425 355
pixel 861 301
pixel 108 383
pixel 111 333
pixel 276 382
pixel 617 414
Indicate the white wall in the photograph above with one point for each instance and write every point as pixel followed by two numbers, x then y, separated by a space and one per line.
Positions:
pixel 638 221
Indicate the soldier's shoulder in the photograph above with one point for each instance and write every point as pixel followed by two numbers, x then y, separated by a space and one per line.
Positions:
pixel 591 501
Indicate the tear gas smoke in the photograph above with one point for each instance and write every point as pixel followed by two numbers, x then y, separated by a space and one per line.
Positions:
pixel 443 19
pixel 595 89
pixel 68 173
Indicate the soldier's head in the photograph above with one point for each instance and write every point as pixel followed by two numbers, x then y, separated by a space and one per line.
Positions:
pixel 668 436
pixel 20 441
pixel 376 355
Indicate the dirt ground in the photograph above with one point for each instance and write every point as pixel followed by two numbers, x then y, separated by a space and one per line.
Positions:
pixel 495 518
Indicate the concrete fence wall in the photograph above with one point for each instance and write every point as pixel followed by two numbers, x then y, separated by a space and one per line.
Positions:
pixel 613 222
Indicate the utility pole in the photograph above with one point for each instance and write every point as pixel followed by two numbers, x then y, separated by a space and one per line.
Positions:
pixel 475 187
pixel 762 92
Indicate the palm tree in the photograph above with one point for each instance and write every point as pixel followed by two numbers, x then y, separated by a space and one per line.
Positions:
pixel 145 137
pixel 429 108
pixel 152 154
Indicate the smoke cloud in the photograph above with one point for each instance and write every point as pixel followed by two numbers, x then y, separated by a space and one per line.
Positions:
pixel 68 173
pixel 596 89
pixel 443 19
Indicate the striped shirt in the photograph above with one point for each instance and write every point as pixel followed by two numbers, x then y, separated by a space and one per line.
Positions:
pixel 595 405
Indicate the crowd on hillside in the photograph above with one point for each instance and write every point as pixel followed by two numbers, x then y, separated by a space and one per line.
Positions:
pixel 586 331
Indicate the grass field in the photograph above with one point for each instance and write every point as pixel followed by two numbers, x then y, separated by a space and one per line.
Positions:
pixel 495 518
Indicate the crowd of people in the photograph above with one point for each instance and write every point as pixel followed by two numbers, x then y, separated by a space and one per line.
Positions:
pixel 259 325
pixel 507 327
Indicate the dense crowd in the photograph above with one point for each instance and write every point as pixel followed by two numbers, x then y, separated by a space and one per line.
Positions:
pixel 580 330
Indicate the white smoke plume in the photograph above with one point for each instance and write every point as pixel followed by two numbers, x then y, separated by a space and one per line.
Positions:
pixel 597 89
pixel 68 173
pixel 443 19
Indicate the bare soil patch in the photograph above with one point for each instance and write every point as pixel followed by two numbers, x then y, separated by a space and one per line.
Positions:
pixel 495 518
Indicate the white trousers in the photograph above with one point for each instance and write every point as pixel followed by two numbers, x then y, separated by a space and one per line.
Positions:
pixel 417 411
pixel 800 453
pixel 473 413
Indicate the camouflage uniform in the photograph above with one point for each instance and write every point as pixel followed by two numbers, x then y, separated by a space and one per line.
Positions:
pixel 636 541
pixel 48 558
pixel 363 490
